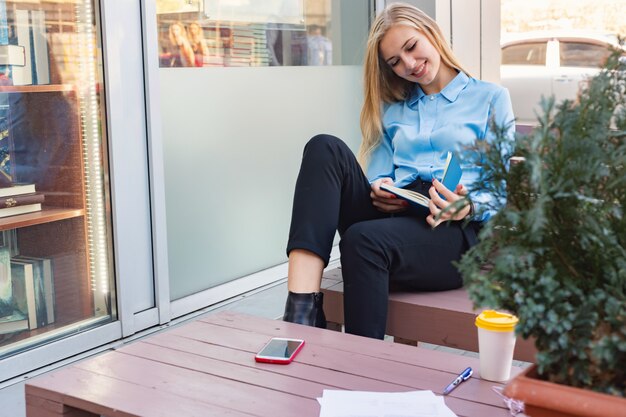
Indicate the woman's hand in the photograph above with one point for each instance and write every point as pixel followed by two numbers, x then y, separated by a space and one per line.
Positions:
pixel 384 201
pixel 438 204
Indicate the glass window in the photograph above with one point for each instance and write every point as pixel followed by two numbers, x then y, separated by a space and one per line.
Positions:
pixel 229 113
pixel 55 275
pixel 227 33
pixel 580 54
pixel 525 54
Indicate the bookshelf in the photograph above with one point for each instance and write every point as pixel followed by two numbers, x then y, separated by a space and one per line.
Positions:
pixel 46 133
pixel 54 120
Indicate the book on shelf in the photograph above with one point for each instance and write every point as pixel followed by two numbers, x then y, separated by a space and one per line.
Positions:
pixel 8 238
pixel 12 55
pixel 44 286
pixel 21 200
pixel 17 189
pixel 450 179
pixel 13 323
pixel 23 75
pixel 5 70
pixel 6 289
pixel 25 209
pixel 23 282
pixel 4 24
pixel 34 272
pixel 7 150
pixel 40 58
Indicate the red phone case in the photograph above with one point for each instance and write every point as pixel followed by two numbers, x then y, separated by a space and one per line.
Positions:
pixel 279 361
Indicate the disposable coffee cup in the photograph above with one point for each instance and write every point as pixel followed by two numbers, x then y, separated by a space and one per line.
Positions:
pixel 496 342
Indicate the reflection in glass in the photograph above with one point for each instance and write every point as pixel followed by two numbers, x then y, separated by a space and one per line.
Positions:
pixel 583 54
pixel 55 275
pixel 229 33
pixel 319 47
pixel 531 53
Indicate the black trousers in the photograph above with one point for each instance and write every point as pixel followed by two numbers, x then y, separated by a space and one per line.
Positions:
pixel 377 249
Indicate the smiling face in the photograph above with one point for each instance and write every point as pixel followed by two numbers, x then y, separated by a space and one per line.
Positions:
pixel 413 57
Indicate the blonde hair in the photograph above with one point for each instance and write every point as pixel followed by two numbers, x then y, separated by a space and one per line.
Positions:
pixel 196 40
pixel 181 44
pixel 382 85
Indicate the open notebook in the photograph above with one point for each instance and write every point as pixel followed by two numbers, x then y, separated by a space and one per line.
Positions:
pixel 450 179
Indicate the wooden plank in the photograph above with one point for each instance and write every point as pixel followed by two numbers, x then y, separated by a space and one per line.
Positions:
pixel 197 386
pixel 453 300
pixel 444 327
pixel 338 351
pixel 347 342
pixel 443 318
pixel 333 303
pixel 42 407
pixel 303 371
pixel 425 324
pixel 227 363
pixel 103 395
pixel 46 215
pixel 188 349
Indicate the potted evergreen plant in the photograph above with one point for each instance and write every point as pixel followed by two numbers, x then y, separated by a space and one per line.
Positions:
pixel 556 253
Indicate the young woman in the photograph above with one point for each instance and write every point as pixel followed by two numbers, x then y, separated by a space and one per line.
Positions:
pixel 198 44
pixel 180 48
pixel 419 104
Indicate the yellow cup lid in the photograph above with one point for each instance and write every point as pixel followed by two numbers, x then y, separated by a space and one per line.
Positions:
pixel 496 321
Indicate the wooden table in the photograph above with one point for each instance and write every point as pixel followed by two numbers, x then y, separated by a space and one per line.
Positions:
pixel 207 368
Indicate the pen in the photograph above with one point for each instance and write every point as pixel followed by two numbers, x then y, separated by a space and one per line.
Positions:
pixel 463 377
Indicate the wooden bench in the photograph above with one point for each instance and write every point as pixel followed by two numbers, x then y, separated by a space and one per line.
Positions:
pixel 443 318
pixel 206 368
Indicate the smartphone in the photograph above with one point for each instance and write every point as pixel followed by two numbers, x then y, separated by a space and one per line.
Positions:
pixel 279 350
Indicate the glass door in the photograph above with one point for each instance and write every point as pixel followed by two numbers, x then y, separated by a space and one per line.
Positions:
pixel 55 247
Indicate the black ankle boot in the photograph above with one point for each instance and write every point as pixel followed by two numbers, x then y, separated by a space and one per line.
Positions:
pixel 305 308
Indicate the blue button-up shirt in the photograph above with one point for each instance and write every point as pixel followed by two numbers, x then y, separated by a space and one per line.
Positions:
pixel 419 132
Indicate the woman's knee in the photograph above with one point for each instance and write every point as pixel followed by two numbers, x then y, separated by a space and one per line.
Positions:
pixel 359 242
pixel 324 143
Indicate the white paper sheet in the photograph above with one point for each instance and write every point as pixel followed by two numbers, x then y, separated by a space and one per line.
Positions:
pixel 382 404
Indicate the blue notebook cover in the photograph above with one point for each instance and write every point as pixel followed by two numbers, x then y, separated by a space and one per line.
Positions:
pixel 452 173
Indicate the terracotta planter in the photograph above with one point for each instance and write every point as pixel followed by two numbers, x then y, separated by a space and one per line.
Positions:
pixel 547 399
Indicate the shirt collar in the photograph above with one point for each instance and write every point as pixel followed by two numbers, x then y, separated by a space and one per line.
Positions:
pixel 450 91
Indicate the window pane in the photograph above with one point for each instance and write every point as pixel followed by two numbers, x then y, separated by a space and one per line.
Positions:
pixel 525 54
pixel 54 229
pixel 578 54
pixel 266 140
pixel 226 33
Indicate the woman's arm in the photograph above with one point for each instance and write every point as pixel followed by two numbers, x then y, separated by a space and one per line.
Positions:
pixel 380 170
pixel 381 161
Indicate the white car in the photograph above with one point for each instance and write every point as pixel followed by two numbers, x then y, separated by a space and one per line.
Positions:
pixel 549 63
